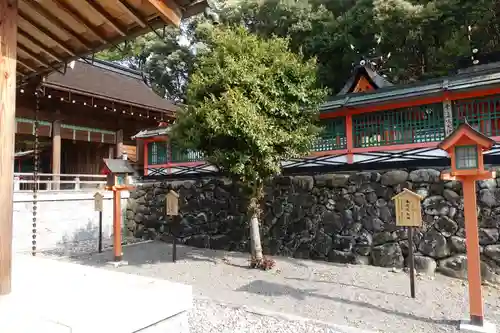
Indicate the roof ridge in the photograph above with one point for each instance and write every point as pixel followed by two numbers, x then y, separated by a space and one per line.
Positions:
pixel 113 67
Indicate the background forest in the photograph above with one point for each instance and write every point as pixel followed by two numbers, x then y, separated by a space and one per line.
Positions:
pixel 409 40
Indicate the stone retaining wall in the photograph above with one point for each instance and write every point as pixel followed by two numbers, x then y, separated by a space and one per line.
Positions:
pixel 347 218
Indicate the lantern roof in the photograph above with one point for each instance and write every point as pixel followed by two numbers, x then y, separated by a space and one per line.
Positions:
pixel 115 165
pixel 466 131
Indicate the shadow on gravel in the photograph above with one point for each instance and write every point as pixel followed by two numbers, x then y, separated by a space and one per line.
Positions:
pixel 265 288
pixel 147 254
pixel 161 252
pixel 347 285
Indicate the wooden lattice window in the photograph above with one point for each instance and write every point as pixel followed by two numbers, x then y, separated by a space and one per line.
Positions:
pixel 158 152
pixel 417 124
pixel 466 157
pixel 333 135
pixel 483 114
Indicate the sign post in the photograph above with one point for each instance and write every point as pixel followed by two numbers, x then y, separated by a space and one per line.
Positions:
pixel 172 209
pixel 118 179
pixel 98 208
pixel 409 215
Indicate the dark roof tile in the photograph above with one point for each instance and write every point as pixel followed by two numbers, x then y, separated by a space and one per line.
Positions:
pixel 109 80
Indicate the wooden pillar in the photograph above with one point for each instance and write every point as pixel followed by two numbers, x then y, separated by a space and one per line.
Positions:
pixel 117 226
pixel 119 143
pixel 56 154
pixel 349 139
pixel 473 253
pixel 145 157
pixel 8 42
pixel 139 152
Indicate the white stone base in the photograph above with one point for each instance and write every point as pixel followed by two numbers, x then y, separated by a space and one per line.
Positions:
pixel 50 296
pixel 117 264
pixel 487 327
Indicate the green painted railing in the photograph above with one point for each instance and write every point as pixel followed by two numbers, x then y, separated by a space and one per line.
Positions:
pixel 162 153
pixel 158 152
pixel 333 136
pixel 481 113
pixel 179 155
pixel 419 124
pixel 401 126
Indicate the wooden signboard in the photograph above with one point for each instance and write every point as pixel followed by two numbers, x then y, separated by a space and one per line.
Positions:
pixel 408 209
pixel 98 202
pixel 172 203
pixel 409 214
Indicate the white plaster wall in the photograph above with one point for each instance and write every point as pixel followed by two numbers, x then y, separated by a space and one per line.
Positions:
pixel 66 221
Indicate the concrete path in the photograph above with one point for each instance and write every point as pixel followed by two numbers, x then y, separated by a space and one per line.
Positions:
pixel 365 297
pixel 59 297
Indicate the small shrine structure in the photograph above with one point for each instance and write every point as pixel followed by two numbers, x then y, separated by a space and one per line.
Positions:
pixel 372 123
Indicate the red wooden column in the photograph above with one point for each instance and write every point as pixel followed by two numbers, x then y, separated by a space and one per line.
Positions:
pixel 117 226
pixel 8 42
pixel 473 253
pixel 145 157
pixel 349 138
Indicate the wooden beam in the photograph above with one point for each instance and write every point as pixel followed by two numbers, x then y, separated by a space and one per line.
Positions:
pixel 60 24
pixel 42 47
pixel 106 17
pixel 32 55
pixel 47 33
pixel 22 63
pixel 169 11
pixel 81 20
pixel 8 55
pixel 195 8
pixel 130 11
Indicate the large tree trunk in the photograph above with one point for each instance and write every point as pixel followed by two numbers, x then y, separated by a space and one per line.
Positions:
pixel 254 213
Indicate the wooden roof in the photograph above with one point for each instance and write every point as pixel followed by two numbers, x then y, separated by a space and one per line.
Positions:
pixel 152 132
pixel 109 81
pixel 406 192
pixel 484 79
pixel 364 78
pixel 54 32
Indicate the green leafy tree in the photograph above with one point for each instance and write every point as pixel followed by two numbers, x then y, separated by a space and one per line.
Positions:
pixel 251 103
pixel 424 37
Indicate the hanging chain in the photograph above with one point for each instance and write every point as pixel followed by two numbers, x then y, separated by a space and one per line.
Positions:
pixel 38 95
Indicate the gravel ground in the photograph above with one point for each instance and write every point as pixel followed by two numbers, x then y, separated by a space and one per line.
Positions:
pixel 366 297
pixel 210 317
pixel 77 248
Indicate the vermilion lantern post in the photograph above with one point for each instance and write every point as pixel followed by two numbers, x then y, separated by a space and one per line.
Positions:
pixel 465 146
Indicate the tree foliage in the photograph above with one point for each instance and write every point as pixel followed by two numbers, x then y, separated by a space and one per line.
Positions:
pixel 251 103
pixel 424 37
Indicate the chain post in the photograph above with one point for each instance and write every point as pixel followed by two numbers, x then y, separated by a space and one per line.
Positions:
pixel 36 163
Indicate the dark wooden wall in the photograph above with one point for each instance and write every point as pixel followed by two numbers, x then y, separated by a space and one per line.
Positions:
pixel 82 157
